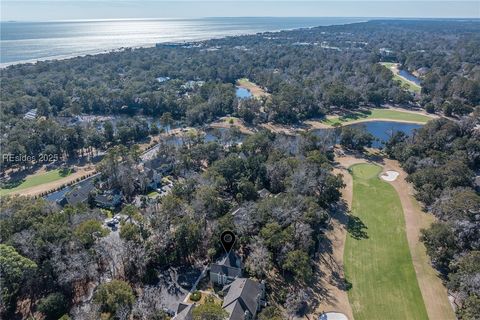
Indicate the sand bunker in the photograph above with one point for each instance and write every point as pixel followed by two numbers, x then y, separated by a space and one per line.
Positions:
pixel 333 316
pixel 390 175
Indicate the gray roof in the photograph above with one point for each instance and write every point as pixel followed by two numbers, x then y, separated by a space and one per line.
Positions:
pixel 230 265
pixel 476 181
pixel 149 172
pixel 242 295
pixel 184 312
pixel 264 193
pixel 236 310
pixel 109 199
pixel 228 271
pixel 231 260
pixel 80 192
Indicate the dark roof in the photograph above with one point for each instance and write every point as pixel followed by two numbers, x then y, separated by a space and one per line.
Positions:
pixel 231 260
pixel 242 296
pixel 108 200
pixel 228 271
pixel 184 312
pixel 149 173
pixel 264 193
pixel 80 192
pixel 236 310
pixel 155 163
pixel 230 265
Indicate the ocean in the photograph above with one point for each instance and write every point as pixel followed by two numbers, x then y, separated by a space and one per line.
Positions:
pixel 22 42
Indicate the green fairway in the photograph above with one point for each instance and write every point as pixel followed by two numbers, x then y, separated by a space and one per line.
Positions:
pixel 380 114
pixel 408 85
pixel 36 180
pixel 378 264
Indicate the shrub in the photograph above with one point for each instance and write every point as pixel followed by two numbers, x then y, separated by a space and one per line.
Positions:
pixel 114 294
pixel 53 306
pixel 430 108
pixel 196 296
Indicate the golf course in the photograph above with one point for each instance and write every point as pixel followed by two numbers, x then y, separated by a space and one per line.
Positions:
pixel 35 180
pixel 405 83
pixel 378 265
pixel 377 114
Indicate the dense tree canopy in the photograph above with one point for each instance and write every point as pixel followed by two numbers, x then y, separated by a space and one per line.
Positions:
pixel 441 159
pixel 308 72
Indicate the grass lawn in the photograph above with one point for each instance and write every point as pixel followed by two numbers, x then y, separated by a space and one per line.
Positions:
pixel 380 114
pixel 378 263
pixel 153 194
pixel 408 85
pixel 107 212
pixel 37 179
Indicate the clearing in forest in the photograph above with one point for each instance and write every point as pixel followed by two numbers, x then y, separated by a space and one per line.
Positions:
pixel 254 89
pixel 378 263
pixel 404 82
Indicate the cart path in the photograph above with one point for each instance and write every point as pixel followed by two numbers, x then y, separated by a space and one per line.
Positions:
pixel 433 291
pixel 331 264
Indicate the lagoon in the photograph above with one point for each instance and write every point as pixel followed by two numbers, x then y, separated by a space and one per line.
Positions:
pixel 410 77
pixel 243 93
pixel 381 130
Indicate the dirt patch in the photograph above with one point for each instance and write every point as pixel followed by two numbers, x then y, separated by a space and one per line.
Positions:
pixel 228 122
pixel 278 128
pixel 316 124
pixel 330 264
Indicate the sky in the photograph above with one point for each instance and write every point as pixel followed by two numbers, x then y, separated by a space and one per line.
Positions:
pixel 48 10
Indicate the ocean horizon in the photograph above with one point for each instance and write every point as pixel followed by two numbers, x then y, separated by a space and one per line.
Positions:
pixel 28 42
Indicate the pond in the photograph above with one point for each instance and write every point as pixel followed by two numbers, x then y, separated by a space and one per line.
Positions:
pixel 243 93
pixel 407 75
pixel 381 130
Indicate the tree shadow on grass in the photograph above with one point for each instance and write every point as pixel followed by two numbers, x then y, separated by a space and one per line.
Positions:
pixel 355 115
pixel 64 172
pixel 12 184
pixel 356 228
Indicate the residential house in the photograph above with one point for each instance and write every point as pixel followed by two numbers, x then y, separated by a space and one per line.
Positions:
pixel 79 193
pixel 32 114
pixel 110 199
pixel 422 72
pixel 264 193
pixel 244 299
pixel 154 178
pixel 161 164
pixel 226 270
pixel 184 312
